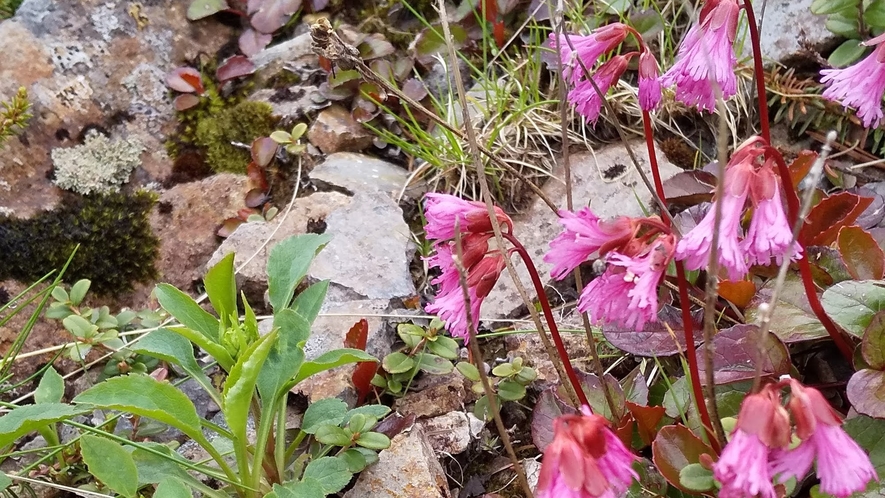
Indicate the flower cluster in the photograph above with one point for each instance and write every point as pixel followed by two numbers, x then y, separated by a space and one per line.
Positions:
pixel 749 175
pixel 637 251
pixel 759 449
pixel 585 460
pixel 447 215
pixel 861 85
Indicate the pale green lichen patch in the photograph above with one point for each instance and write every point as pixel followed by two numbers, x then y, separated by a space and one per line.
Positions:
pixel 100 165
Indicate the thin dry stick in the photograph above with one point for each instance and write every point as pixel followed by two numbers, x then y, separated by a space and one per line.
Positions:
pixel 487 197
pixel 766 310
pixel 476 354
pixel 558 19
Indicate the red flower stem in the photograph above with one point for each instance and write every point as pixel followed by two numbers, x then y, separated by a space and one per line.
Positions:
pixel 548 315
pixel 687 324
pixel 758 72
pixel 805 267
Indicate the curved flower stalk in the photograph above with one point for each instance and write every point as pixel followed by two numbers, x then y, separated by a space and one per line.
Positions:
pixel 706 56
pixel 860 86
pixel 749 175
pixel 585 460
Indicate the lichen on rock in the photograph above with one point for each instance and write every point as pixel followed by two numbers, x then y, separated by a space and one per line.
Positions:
pixel 99 165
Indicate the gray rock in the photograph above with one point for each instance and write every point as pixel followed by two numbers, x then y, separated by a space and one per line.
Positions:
pixel 449 433
pixel 407 469
pixel 606 181
pixel 283 53
pixel 790 31
pixel 358 172
pixel 336 318
pixel 335 130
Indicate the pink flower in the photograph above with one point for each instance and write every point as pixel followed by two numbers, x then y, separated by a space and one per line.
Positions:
pixel 585 235
pixel 584 97
pixel 860 86
pixel 743 468
pixel 443 211
pixel 706 55
pixel 585 460
pixel 842 466
pixel 649 82
pixel 770 234
pixel 587 48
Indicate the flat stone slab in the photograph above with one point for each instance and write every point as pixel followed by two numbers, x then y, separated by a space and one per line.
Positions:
pixel 359 172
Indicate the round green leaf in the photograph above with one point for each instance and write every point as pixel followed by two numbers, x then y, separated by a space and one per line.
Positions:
pixel 329 411
pixel 355 460
pixel 331 472
pixel 503 370
pixel 468 370
pixel 843 25
pixel 695 477
pixel 199 9
pixel 845 54
pixel 333 435
pixel 79 326
pixel 397 363
pixel 79 290
pixel 434 364
pixel 373 441
pixel 445 347
pixel 853 304
pixel 60 294
pixel 509 390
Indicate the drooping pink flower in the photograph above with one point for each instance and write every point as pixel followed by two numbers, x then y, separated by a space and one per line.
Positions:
pixel 584 97
pixel 587 49
pixel 649 82
pixel 763 426
pixel 585 460
pixel 861 85
pixel 443 211
pixel 770 234
pixel 585 235
pixel 842 466
pixel 706 56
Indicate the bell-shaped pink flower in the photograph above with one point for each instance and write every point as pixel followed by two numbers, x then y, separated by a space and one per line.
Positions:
pixel 649 82
pixel 770 234
pixel 585 460
pixel 861 85
pixel 706 56
pixel 443 211
pixel 584 97
pixel 587 48
pixel 743 468
pixel 842 466
pixel 585 235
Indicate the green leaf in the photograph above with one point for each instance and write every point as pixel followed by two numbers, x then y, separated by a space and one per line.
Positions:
pixel 306 488
pixel 468 370
pixel 333 435
pixel 147 397
pixel 51 388
pixel 329 411
pixel 843 26
pixel 25 419
pixel 509 390
pixel 153 468
pixel 288 264
pixel 5 481
pixel 60 294
pixel 503 370
pixel 617 7
pixel 330 472
pixel 281 137
pixel 199 9
pixel 221 287
pixel 172 488
pixel 215 350
pixel 853 304
pixel 373 441
pixel 869 433
pixel 434 365
pixel 110 464
pixel 846 53
pixel 250 321
pixel 187 311
pixel 397 363
pixel 240 385
pixel 308 303
pixel 695 477
pixel 79 326
pixel 173 348
pixel 293 326
pixel 831 6
pixel 376 411
pixel 78 291
pixel 356 461
pixel 874 14
pixel 330 360
pixel 286 357
pixel 444 346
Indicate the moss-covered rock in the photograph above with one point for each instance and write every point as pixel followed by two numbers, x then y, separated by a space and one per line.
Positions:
pixel 241 123
pixel 117 246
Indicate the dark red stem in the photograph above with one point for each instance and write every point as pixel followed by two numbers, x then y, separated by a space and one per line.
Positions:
pixel 548 315
pixel 687 324
pixel 759 73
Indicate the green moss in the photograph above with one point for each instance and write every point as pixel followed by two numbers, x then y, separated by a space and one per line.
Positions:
pixel 117 246
pixel 242 123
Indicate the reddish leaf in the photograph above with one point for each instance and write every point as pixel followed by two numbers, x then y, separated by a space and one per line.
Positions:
pixel 358 335
pixel 489 9
pixel 593 389
pixel 873 346
pixel 736 351
pixel 654 339
pixel 394 424
pixel 862 255
pixel 263 151
pixel 235 67
pixel 186 101
pixel 498 32
pixel 251 42
pixel 673 449
pixel 647 419
pixel 740 293
pixel 547 409
pixel 688 188
pixel 624 430
pixel 245 213
pixel 255 198
pixel 257 176
pixel 326 64
pixel 356 338
pixel 271 15
pixel 800 166
pixel 228 227
pixel 829 216
pixel 185 79
pixel 866 392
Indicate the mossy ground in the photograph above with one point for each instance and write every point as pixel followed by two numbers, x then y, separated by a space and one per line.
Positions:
pixel 241 123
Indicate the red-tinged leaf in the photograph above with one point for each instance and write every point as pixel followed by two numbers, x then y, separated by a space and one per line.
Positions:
pixel 257 177
pixel 384 69
pixel 326 64
pixel 866 392
pixel 688 188
pixel 827 267
pixel 498 32
pixel 647 419
pixel 596 397
pixel 185 79
pixel 740 293
pixel 363 109
pixel 362 379
pixel 414 89
pixel 185 101
pixel 272 15
pixel 829 216
pixel 655 339
pixel 263 150
pixel 375 46
pixel 256 198
pixel 624 429
pixel 412 302
pixel 245 213
pixel 489 9
pixel 228 227
pixel 673 449
pixel 235 67
pixel 800 166
pixel 547 409
pixel 873 346
pixel 862 255
pixel 395 424
pixel 737 351
pixel 793 320
pixel 403 67
pixel 358 335
pixel 251 42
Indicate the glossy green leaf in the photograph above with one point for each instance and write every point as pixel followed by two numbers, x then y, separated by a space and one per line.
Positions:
pixel 240 385
pixel 28 418
pixel 853 304
pixel 215 349
pixel 330 472
pixel 221 287
pixel 110 464
pixel 172 348
pixel 696 478
pixel 333 435
pixel 187 311
pixel 445 347
pixel 78 291
pixel 288 263
pixel 842 25
pixel 330 360
pixel 147 397
pixel 51 388
pixel 373 441
pixel 846 53
pixel 329 411
pixel 172 488
pixel 308 303
pixel 199 9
